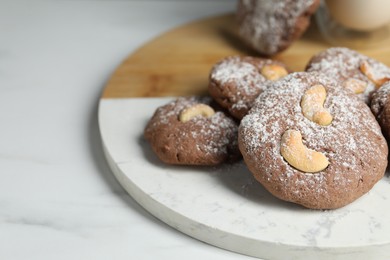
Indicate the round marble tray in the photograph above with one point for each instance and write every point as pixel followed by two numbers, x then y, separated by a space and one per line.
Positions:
pixel 223 206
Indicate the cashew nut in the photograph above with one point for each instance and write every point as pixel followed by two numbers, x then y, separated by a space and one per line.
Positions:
pixel 367 70
pixel 194 111
pixel 299 156
pixel 312 105
pixel 273 72
pixel 355 85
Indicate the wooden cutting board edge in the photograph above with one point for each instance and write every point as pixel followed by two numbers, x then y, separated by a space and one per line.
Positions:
pixel 178 62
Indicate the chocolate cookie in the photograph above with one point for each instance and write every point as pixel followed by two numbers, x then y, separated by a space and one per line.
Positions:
pixel 357 72
pixel 380 107
pixel 271 26
pixel 235 81
pixel 310 142
pixel 188 131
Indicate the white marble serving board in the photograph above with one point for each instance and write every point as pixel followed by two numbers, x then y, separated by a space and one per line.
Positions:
pixel 224 206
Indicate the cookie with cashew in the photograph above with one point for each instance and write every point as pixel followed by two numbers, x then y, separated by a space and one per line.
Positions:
pixel 236 81
pixel 380 107
pixel 189 131
pixel 358 73
pixel 311 142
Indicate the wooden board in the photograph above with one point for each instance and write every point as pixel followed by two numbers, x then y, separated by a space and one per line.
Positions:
pixel 178 62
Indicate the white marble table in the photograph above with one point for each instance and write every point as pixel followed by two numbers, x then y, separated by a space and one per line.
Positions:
pixel 58 198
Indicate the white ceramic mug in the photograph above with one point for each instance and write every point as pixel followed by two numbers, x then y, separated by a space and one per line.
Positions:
pixel 355 23
pixel 360 15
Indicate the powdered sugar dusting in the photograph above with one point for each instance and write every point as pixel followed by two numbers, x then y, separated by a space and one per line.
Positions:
pixel 268 25
pixel 380 98
pixel 244 75
pixel 216 135
pixel 238 80
pixel 349 142
pixel 343 64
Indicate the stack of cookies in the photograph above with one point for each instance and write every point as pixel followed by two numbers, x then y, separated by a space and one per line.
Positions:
pixel 308 137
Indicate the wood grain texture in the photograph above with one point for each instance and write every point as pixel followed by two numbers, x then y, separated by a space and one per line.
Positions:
pixel 178 62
